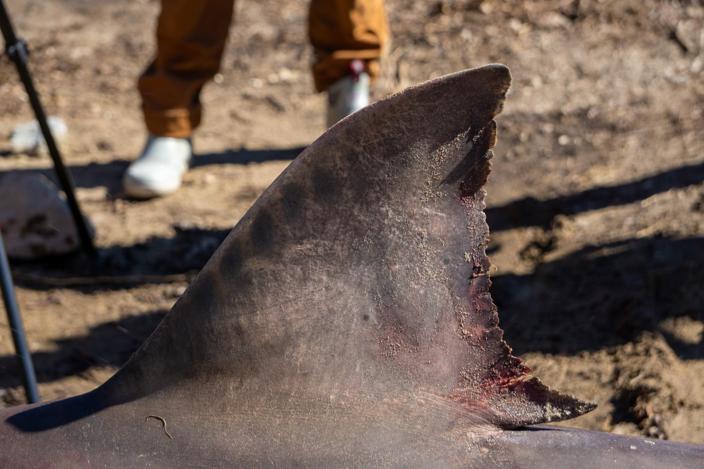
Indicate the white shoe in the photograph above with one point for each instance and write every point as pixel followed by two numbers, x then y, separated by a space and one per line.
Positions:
pixel 349 94
pixel 159 169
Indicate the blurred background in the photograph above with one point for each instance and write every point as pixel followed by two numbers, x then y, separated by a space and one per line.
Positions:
pixel 596 202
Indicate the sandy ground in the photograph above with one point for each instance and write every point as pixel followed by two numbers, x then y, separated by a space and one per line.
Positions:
pixel 596 202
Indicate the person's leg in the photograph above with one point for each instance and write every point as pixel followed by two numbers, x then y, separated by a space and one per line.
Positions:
pixel 191 36
pixel 342 31
pixel 349 37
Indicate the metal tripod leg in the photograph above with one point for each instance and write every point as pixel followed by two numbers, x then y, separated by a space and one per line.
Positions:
pixel 15 321
pixel 17 51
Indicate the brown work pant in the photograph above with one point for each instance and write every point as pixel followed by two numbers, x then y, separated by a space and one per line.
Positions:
pixel 191 38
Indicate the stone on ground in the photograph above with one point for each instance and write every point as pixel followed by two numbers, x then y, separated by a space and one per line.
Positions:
pixel 34 217
pixel 27 137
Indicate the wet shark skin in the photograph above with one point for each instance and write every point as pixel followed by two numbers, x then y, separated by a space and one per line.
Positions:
pixel 346 320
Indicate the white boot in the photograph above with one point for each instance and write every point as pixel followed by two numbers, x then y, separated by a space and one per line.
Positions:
pixel 349 94
pixel 159 169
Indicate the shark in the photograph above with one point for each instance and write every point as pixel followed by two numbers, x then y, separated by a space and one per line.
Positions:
pixel 346 321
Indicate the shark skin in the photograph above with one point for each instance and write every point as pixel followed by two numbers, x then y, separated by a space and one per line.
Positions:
pixel 345 321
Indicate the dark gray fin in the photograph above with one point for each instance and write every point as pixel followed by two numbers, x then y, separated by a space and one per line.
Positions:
pixel 362 270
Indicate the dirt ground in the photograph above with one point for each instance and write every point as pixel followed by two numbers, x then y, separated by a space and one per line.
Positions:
pixel 596 202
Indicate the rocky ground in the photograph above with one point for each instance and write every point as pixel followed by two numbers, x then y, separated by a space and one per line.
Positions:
pixel 596 202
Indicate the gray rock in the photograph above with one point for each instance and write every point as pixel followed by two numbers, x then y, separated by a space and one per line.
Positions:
pixel 34 217
pixel 27 137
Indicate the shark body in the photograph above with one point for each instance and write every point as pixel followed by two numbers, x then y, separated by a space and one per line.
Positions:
pixel 345 321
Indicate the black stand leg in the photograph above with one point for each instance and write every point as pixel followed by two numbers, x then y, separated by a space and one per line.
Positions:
pixel 18 335
pixel 17 51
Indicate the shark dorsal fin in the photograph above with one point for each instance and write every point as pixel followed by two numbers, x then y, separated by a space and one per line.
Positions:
pixel 361 272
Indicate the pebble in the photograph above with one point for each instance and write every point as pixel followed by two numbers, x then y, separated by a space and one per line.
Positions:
pixel 27 137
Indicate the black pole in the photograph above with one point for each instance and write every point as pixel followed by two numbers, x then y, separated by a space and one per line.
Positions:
pixel 18 335
pixel 16 49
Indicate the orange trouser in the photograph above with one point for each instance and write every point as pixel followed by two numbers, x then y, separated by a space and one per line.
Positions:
pixel 191 38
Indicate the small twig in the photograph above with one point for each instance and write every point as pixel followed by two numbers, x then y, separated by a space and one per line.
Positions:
pixel 677 39
pixel 163 424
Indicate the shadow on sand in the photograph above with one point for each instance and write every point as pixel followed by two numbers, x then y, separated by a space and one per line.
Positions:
pixel 109 174
pixel 605 295
pixel 529 211
pixel 107 344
